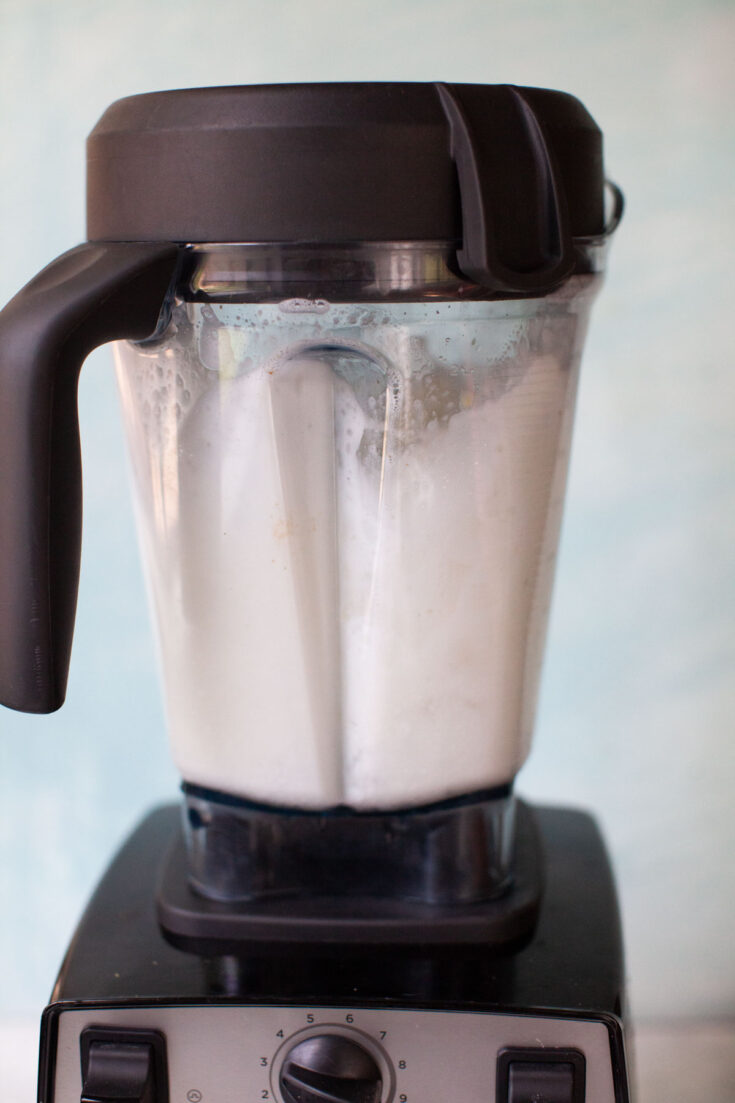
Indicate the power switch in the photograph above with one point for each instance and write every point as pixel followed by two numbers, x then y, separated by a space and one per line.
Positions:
pixel 540 1075
pixel 546 1083
pixel 119 1072
pixel 123 1066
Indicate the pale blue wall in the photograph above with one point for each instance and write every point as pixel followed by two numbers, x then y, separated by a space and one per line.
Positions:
pixel 639 696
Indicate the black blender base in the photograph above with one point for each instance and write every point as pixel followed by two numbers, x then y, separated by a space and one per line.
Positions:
pixel 196 923
pixel 565 982
pixel 573 958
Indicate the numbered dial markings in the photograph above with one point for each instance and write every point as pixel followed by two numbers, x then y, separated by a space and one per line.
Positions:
pixel 330 1061
pixel 330 1065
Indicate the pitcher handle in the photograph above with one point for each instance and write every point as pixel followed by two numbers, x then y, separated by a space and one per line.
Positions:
pixel 95 293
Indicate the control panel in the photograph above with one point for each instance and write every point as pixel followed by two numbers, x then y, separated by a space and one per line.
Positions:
pixel 250 1054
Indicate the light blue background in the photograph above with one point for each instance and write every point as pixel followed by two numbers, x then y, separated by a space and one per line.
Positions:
pixel 636 718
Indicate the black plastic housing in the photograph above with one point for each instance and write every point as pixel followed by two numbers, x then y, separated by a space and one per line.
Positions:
pixel 359 879
pixel 572 965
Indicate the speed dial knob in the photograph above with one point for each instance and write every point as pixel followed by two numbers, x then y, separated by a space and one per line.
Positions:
pixel 330 1068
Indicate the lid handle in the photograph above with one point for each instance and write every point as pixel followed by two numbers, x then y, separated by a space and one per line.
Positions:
pixel 90 295
pixel 515 232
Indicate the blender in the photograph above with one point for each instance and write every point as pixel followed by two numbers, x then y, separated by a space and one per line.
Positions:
pixel 348 323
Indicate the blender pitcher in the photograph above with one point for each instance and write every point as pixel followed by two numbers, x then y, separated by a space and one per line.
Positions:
pixel 349 320
pixel 349 513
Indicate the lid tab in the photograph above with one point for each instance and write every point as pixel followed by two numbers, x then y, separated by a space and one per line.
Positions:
pixel 515 230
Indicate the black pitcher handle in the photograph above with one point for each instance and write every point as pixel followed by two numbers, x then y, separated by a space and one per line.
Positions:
pixel 95 293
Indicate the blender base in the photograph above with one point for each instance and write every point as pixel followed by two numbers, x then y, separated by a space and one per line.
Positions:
pixel 444 1021
pixel 195 922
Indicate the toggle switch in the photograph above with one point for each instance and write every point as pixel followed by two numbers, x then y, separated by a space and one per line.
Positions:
pixel 123 1066
pixel 540 1075
pixel 530 1082
pixel 117 1071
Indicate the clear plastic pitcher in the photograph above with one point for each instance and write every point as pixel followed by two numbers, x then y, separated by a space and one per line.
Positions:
pixel 349 506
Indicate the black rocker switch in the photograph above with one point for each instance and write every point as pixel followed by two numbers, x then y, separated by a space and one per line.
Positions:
pixel 541 1075
pixel 123 1066
pixel 544 1083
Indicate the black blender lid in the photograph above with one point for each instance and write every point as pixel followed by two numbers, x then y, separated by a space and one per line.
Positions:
pixel 512 175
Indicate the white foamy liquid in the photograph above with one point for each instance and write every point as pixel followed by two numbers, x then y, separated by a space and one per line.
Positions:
pixel 251 680
pixel 439 603
pixel 346 628
pixel 349 550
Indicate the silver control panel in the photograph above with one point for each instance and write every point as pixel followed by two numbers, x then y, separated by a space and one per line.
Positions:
pixel 241 1054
